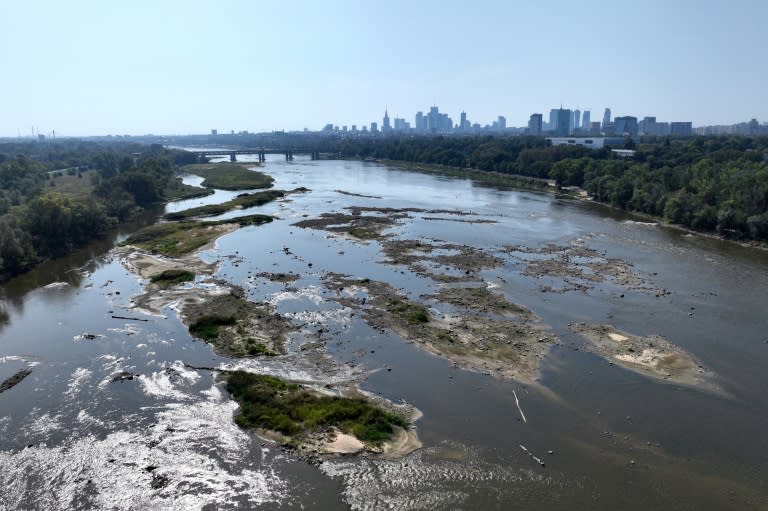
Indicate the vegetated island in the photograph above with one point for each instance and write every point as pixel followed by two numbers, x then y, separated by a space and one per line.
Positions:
pixel 316 422
pixel 482 331
pixel 175 239
pixel 242 201
pixel 229 176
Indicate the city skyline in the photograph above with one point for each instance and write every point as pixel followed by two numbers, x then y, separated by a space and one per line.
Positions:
pixel 85 68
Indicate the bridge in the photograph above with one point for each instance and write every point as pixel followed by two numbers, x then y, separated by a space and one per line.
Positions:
pixel 202 154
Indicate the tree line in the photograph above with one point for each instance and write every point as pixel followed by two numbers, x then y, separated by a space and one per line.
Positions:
pixel 710 184
pixel 38 222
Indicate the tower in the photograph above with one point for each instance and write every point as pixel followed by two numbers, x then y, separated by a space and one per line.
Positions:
pixel 607 117
pixel 385 126
pixel 534 124
pixel 563 128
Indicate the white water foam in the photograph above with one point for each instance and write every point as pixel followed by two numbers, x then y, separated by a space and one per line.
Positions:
pixel 165 384
pixel 194 456
pixel 76 381
pixel 311 293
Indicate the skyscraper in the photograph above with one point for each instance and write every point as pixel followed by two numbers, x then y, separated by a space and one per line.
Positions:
pixel 419 121
pixel 463 125
pixel 553 120
pixel 607 117
pixel 585 119
pixel 563 122
pixel 534 124
pixel 385 126
pixel 576 116
pixel 502 123
pixel 626 125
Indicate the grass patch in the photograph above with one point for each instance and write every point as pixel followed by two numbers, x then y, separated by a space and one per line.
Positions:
pixel 412 313
pixel 173 276
pixel 207 327
pixel 175 239
pixel 363 233
pixel 255 349
pixel 270 403
pixel 229 176
pixel 244 201
pixel 77 186
pixel 177 190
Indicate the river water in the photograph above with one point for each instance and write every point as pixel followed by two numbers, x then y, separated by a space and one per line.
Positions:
pixel 71 437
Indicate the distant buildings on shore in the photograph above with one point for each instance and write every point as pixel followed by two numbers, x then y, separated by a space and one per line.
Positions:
pixel 560 122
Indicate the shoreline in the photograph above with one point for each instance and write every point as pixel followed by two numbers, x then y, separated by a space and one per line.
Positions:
pixel 578 194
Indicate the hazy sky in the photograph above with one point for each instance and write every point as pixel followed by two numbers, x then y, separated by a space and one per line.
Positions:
pixel 96 67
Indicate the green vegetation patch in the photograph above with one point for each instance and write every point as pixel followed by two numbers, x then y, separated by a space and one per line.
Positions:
pixel 243 201
pixel 479 299
pixel 410 312
pixel 174 239
pixel 269 403
pixel 175 190
pixel 173 276
pixel 229 176
pixel 237 327
pixel 207 327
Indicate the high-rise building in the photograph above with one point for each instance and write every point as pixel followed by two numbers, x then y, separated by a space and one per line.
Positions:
pixel 647 126
pixel 563 128
pixel 626 125
pixel 585 119
pixel 433 120
pixel 606 117
pixel 594 129
pixel 374 127
pixel 681 129
pixel 438 122
pixel 553 120
pixel 534 124
pixel 419 121
pixel 214 132
pixel 575 120
pixel 464 124
pixel 385 126
pixel 501 123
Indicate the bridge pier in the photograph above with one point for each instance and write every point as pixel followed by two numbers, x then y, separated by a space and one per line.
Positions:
pixel 232 157
pixel 201 157
pixel 289 156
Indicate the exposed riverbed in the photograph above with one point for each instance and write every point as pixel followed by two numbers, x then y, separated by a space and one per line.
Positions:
pixel 627 359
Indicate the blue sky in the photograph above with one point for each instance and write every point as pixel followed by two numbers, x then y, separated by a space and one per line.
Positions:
pixel 96 67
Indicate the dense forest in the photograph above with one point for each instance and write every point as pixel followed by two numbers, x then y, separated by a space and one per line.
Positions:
pixel 54 197
pixel 710 184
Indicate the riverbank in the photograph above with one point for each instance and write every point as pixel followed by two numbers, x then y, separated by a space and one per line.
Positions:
pixel 547 185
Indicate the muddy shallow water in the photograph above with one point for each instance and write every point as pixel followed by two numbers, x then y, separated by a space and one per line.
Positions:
pixel 610 438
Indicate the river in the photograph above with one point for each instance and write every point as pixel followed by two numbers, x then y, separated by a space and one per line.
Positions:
pixel 73 436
